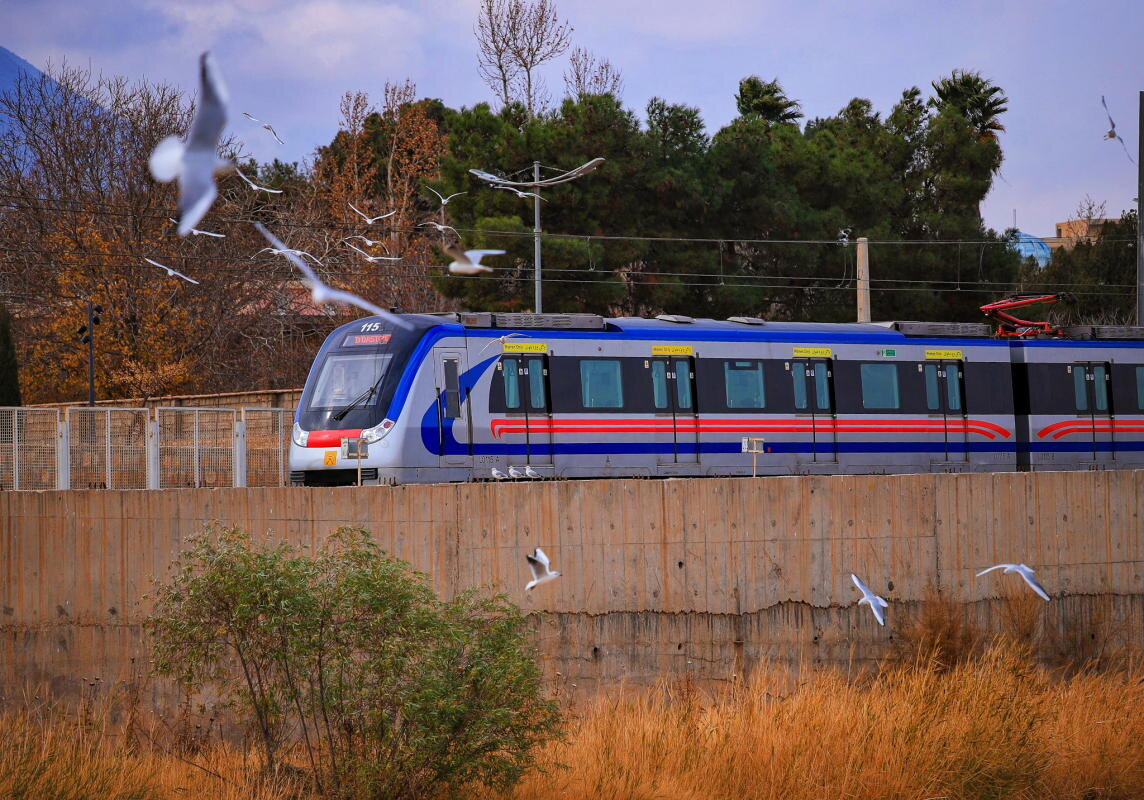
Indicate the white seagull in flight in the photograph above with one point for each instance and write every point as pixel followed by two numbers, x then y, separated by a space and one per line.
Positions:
pixel 368 219
pixel 255 186
pixel 538 563
pixel 520 193
pixel 439 226
pixel 320 292
pixel 444 200
pixel 265 125
pixel 501 339
pixel 195 162
pixel 289 252
pixel 368 242
pixel 468 262
pixel 1025 572
pixel 197 232
pixel 869 598
pixel 372 258
pixel 1112 134
pixel 173 273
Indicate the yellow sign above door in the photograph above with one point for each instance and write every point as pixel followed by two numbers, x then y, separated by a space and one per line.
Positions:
pixel 813 352
pixel 672 350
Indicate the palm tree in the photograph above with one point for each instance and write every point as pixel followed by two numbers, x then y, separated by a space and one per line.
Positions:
pixel 977 99
pixel 765 100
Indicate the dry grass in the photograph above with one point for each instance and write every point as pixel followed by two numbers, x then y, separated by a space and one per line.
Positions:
pixel 996 727
pixel 991 726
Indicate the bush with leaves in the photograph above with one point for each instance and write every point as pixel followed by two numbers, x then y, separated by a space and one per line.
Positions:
pixel 347 656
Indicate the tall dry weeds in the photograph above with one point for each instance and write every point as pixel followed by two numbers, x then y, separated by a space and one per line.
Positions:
pixel 995 727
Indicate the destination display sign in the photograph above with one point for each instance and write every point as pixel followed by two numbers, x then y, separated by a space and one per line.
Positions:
pixel 672 350
pixel 814 352
pixel 360 339
pixel 950 355
pixel 525 347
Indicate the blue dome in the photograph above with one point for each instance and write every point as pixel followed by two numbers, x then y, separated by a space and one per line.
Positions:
pixel 1033 247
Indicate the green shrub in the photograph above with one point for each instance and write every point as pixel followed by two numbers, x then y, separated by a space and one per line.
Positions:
pixel 348 653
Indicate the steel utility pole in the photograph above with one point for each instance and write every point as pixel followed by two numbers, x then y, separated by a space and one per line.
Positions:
pixel 863 279
pixel 1139 214
pixel 536 236
pixel 88 333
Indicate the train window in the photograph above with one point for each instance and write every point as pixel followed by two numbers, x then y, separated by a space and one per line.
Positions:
pixel 798 376
pixel 683 378
pixel 538 397
pixel 953 387
pixel 1080 392
pixel 880 386
pixel 821 386
pixel 601 384
pixel 744 384
pixel 1140 388
pixel 659 384
pixel 510 368
pixel 344 378
pixel 1100 387
pixel 452 394
pixel 933 391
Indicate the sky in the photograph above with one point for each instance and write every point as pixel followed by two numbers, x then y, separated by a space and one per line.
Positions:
pixel 289 62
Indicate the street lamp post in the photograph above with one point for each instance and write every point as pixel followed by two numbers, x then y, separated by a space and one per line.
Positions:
pixel 536 184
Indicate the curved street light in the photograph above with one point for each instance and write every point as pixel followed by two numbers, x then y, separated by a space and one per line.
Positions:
pixel 536 184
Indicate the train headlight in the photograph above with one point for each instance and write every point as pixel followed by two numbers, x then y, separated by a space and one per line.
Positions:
pixel 377 432
pixel 300 436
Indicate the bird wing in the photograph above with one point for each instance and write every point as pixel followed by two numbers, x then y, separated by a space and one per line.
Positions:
pixel 998 566
pixel 487 176
pixel 881 601
pixel 542 558
pixel 879 614
pixel 1031 579
pixel 155 263
pixel 196 193
pixel 362 214
pixel 434 191
pixel 1122 144
pixel 184 277
pixel 863 588
pixel 459 256
pixel 476 255
pixel 208 233
pixel 1111 124
pixel 210 115
pixel 538 567
pixel 274 133
pixel 166 160
pixel 382 216
pixel 455 194
pixel 251 116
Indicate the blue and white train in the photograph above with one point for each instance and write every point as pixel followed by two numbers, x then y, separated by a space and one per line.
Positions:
pixel 460 395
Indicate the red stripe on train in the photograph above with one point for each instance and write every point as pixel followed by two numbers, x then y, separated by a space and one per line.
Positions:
pixel 500 427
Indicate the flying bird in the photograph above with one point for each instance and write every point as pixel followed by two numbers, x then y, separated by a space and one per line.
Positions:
pixel 197 232
pixel 488 176
pixel 444 200
pixel 529 472
pixel 368 242
pixel 265 125
pixel 869 598
pixel 1025 572
pixel 320 292
pixel 255 186
pixel 171 272
pixel 500 476
pixel 539 564
pixel 440 227
pixel 372 258
pixel 368 219
pixel 289 252
pixel 194 162
pixel 1112 134
pixel 519 193
pixel 468 262
pixel 502 339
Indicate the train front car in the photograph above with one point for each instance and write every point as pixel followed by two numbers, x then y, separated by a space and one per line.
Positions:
pixel 346 426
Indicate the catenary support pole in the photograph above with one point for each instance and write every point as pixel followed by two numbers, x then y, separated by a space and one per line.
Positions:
pixel 863 279
pixel 536 234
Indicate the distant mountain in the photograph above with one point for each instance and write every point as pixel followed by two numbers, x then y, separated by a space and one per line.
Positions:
pixel 11 66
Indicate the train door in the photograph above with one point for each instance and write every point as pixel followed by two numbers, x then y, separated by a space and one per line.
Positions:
pixel 533 370
pixel 454 414
pixel 945 399
pixel 673 395
pixel 1092 397
pixel 814 400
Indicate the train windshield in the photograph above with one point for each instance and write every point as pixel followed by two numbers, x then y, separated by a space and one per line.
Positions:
pixel 346 378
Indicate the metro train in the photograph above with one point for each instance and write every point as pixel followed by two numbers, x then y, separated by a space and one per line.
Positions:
pixel 474 396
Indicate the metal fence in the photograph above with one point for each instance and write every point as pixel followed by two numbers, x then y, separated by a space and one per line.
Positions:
pixel 138 448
